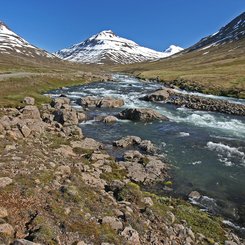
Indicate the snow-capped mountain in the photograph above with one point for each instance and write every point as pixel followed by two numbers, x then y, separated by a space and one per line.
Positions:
pixel 107 47
pixel 233 31
pixel 173 50
pixel 11 43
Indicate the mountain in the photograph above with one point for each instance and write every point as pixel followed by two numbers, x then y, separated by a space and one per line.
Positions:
pixel 13 44
pixel 173 50
pixel 107 47
pixel 233 31
pixel 215 65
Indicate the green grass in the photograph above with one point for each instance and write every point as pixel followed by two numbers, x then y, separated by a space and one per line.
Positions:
pixel 221 71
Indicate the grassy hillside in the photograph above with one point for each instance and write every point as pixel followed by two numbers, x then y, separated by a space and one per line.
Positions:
pixel 22 76
pixel 217 70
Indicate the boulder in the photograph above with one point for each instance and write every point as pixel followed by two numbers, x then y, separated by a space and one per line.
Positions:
pixel 5 181
pixel 72 130
pixel 146 170
pixel 87 144
pixel 127 141
pixel 131 235
pixel 66 117
pixel 81 116
pixel 60 102
pixel 29 101
pixel 30 112
pixel 24 242
pixel 113 222
pixel 3 213
pixel 6 230
pixel 25 131
pixel 159 95
pixel 195 195
pixel 144 115
pixel 110 119
pixel 109 102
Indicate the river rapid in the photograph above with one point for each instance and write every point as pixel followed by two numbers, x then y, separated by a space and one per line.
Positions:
pixel 206 149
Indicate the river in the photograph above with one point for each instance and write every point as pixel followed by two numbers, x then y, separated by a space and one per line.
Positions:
pixel 206 149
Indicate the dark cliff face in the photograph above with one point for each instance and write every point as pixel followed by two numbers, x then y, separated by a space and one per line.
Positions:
pixel 233 31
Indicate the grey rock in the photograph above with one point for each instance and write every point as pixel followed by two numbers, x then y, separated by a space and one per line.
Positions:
pixel 144 115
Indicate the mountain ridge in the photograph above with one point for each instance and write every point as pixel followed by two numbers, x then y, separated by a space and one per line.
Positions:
pixel 12 43
pixel 107 47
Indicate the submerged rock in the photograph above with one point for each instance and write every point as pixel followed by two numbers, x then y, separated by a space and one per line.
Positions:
pixel 144 115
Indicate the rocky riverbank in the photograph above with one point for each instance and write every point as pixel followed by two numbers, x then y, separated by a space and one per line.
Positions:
pixel 59 187
pixel 195 102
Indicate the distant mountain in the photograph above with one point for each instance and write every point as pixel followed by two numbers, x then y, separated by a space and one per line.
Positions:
pixel 233 31
pixel 13 44
pixel 107 47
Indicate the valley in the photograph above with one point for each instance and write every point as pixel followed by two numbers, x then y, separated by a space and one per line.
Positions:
pixel 108 142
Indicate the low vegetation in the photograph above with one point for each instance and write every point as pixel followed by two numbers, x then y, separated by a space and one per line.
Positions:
pixel 219 70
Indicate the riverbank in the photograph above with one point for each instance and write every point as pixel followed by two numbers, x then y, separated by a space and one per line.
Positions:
pixel 59 187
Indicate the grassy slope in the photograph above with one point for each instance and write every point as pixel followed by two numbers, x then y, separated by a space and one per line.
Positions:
pixel 45 75
pixel 220 71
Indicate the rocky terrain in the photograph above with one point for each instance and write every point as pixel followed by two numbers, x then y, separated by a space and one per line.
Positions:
pixel 195 102
pixel 59 187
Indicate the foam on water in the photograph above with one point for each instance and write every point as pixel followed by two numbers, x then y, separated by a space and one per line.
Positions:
pixel 227 153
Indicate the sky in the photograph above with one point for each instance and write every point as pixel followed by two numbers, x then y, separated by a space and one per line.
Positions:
pixel 156 24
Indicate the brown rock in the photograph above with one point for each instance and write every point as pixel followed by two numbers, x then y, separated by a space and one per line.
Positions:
pixel 131 235
pixel 5 181
pixel 30 112
pixel 127 141
pixel 113 222
pixel 6 230
pixel 25 131
pixel 3 213
pixel 90 101
pixel 110 119
pixel 159 95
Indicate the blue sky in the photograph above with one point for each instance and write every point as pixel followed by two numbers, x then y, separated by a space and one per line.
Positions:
pixel 56 24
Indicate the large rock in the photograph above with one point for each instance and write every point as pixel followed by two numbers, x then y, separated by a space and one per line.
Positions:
pixel 24 242
pixel 144 115
pixel 3 213
pixel 87 144
pixel 5 181
pixel 60 102
pixel 29 101
pixel 110 119
pixel 145 170
pixel 113 222
pixel 6 230
pixel 131 235
pixel 110 102
pixel 159 95
pixel 66 117
pixel 127 141
pixel 30 112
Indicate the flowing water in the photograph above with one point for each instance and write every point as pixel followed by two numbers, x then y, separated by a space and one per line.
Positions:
pixel 206 149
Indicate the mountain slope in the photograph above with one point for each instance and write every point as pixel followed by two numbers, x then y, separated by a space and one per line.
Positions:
pixel 233 31
pixel 107 47
pixel 11 43
pixel 214 66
